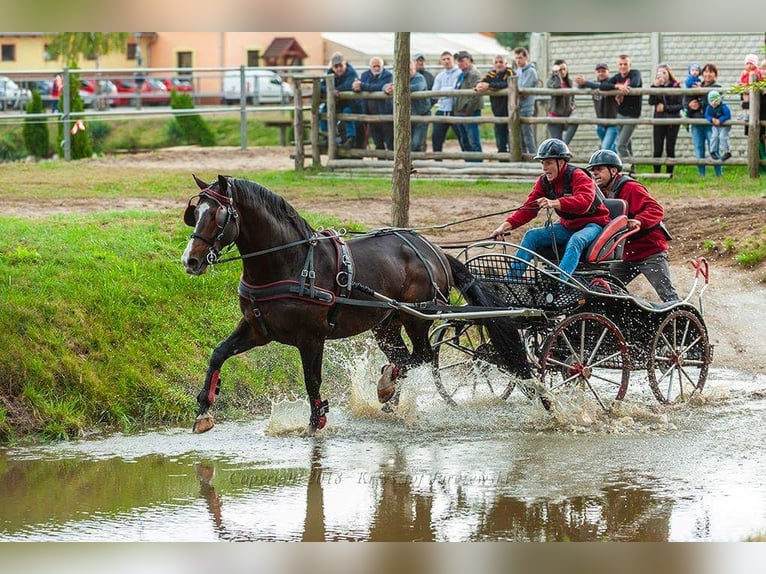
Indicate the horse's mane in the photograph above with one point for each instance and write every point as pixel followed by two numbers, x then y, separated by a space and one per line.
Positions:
pixel 250 194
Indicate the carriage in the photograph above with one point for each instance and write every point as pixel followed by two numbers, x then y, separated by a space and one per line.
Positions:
pixel 301 287
pixel 590 336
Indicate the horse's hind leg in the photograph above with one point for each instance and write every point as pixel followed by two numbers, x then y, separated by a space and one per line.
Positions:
pixel 388 335
pixel 239 341
pixel 311 358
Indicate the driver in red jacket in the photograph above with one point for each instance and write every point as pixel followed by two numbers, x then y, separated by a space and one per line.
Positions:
pixel 646 251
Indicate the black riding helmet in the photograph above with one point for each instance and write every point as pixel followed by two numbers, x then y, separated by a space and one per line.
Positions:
pixel 553 148
pixel 605 157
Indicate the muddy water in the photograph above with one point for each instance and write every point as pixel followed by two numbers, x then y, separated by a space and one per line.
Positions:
pixel 486 471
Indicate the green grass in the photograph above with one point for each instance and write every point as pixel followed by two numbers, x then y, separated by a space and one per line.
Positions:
pixel 100 326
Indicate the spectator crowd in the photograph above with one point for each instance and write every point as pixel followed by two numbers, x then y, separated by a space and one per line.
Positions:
pixel 718 105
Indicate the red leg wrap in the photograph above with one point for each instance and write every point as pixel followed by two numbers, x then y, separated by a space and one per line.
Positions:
pixel 215 381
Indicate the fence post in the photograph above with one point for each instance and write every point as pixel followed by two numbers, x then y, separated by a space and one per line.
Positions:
pixel 332 136
pixel 316 98
pixel 242 109
pixel 298 123
pixel 65 117
pixel 514 119
pixel 753 133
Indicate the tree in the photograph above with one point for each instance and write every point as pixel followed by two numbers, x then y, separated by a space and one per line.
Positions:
pixel 512 40
pixel 71 46
pixel 400 193
pixel 36 136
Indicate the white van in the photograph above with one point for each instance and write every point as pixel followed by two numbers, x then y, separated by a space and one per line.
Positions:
pixel 261 86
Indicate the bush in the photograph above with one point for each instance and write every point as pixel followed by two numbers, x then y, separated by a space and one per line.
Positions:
pixel 36 136
pixel 99 131
pixel 12 146
pixel 191 127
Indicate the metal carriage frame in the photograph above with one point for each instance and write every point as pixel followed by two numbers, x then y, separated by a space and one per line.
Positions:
pixel 590 336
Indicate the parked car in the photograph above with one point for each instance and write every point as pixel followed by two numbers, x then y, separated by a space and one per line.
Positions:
pixel 261 86
pixel 180 85
pixel 12 95
pixel 153 92
pixel 87 91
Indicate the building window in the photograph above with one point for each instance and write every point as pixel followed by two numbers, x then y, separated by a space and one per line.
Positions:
pixel 253 58
pixel 47 56
pixel 9 53
pixel 184 60
pixel 132 52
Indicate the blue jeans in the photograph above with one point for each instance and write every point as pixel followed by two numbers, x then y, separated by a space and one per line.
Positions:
pixel 468 136
pixel 350 127
pixel 419 131
pixel 700 138
pixel 624 144
pixel 719 139
pixel 528 144
pixel 439 132
pixel 538 237
pixel 608 137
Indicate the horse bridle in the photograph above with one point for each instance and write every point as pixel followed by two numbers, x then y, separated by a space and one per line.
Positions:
pixel 225 215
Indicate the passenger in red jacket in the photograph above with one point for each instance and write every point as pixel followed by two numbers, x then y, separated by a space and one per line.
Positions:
pixel 571 192
pixel 646 251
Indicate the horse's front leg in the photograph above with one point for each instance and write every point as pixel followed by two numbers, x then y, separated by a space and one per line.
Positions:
pixel 311 358
pixel 241 340
pixel 389 338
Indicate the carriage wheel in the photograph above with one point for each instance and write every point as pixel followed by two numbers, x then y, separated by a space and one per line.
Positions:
pixel 465 365
pixel 587 351
pixel 679 359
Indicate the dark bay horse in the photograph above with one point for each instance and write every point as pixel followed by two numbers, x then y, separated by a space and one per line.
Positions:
pixel 301 287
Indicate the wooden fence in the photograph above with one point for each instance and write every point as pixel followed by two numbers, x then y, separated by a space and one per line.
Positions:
pixel 514 121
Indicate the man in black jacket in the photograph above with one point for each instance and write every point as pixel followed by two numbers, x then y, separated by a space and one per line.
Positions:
pixel 497 79
pixel 604 106
pixel 628 107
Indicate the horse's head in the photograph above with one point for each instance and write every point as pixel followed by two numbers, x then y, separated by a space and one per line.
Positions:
pixel 215 221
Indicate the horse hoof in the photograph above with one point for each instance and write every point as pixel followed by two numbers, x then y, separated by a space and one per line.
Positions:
pixel 386 385
pixel 203 423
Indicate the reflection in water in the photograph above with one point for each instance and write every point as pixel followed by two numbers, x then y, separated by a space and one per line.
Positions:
pixel 383 480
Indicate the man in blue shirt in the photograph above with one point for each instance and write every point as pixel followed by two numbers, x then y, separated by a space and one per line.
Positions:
pixel 527 75
pixel 445 80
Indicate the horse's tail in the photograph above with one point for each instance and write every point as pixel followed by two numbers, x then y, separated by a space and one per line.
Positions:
pixel 503 332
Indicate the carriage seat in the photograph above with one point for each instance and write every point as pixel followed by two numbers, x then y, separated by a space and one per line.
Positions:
pixel 609 244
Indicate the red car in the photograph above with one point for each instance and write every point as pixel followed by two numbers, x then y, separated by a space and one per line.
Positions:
pixel 153 92
pixel 180 85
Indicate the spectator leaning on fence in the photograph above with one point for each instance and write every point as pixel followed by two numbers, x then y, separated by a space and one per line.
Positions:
pixel 695 109
pixel 718 114
pixel 445 80
pixel 604 106
pixel 375 80
pixel 345 74
pixel 561 106
pixel 497 79
pixel 420 67
pixel 419 106
pixel 628 106
pixel 468 105
pixel 666 106
pixel 527 75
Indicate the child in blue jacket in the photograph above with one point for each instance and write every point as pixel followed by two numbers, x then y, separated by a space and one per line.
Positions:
pixel 718 113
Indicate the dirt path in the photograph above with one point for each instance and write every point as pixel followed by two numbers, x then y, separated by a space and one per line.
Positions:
pixel 735 302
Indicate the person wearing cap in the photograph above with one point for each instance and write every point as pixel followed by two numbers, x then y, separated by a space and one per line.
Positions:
pixel 418 106
pixel 645 252
pixel 468 105
pixel 571 192
pixel 604 106
pixel 718 114
pixel 444 81
pixel 345 74
pixel 497 79
pixel 527 74
pixel 628 105
pixel 695 109
pixel 666 106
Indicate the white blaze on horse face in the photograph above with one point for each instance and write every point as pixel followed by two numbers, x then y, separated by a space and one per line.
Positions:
pixel 201 210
